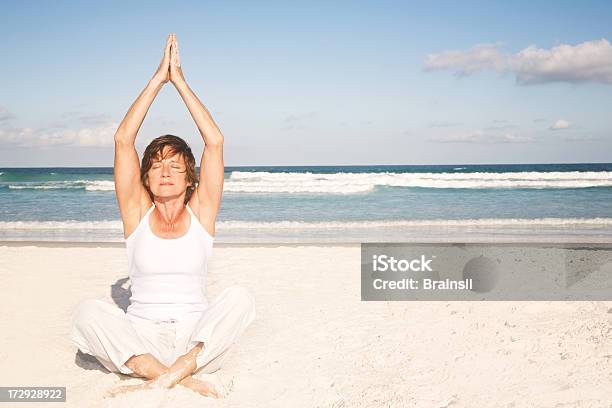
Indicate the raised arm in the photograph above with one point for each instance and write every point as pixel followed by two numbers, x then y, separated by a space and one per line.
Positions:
pixel 128 188
pixel 127 130
pixel 210 187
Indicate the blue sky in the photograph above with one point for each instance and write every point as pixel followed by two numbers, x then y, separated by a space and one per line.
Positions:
pixel 315 82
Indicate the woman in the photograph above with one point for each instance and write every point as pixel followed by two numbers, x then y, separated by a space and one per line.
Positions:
pixel 169 331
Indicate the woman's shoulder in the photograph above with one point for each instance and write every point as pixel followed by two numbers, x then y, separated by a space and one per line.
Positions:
pixel 130 224
pixel 194 206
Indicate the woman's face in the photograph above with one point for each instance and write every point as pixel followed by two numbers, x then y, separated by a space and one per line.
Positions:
pixel 168 177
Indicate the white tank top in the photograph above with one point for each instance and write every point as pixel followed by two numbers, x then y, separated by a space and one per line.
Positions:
pixel 168 276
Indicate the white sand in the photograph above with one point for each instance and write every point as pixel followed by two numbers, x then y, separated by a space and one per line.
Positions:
pixel 314 343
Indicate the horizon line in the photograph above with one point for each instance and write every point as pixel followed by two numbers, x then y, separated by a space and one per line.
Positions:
pixel 325 165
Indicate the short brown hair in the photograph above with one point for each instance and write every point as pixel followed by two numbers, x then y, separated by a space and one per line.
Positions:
pixel 177 145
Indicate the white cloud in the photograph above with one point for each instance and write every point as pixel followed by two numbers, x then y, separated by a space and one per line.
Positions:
pixel 589 61
pixel 5 115
pixel 481 138
pixel 479 57
pixel 560 125
pixel 97 136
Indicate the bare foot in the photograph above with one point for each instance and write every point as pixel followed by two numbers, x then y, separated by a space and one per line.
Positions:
pixel 205 388
pixel 113 392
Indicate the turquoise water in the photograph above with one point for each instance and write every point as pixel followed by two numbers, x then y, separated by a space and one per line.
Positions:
pixel 333 203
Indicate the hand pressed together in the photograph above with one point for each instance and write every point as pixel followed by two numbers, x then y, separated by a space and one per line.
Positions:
pixel 170 66
pixel 176 73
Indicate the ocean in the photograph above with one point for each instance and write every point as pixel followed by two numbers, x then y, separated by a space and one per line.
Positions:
pixel 292 204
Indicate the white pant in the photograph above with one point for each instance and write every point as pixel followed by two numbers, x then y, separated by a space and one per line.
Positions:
pixel 112 336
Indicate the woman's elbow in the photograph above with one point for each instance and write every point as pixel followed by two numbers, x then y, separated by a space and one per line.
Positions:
pixel 215 142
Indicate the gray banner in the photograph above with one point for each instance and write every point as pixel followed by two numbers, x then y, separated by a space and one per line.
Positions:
pixel 32 394
pixel 502 271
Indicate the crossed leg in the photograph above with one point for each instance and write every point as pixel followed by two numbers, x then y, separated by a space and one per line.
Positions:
pixel 158 375
pixel 103 331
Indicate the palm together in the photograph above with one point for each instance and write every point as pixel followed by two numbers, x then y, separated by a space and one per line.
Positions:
pixel 170 66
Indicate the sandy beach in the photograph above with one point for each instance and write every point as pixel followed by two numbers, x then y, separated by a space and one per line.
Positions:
pixel 314 343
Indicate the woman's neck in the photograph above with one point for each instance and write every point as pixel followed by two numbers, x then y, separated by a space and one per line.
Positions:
pixel 169 217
